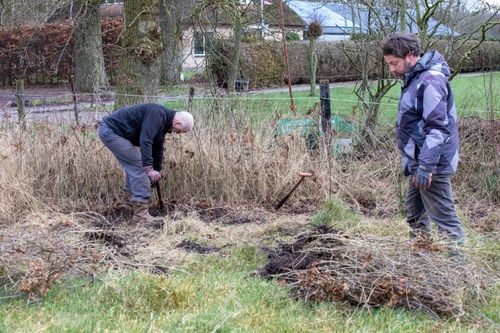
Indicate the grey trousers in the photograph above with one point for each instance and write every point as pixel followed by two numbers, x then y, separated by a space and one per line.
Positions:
pixel 436 204
pixel 130 159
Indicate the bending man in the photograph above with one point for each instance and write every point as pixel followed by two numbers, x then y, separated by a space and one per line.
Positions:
pixel 144 126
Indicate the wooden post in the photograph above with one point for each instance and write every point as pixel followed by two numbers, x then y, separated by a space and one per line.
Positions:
pixel 324 87
pixel 190 100
pixel 75 102
pixel 326 124
pixel 21 114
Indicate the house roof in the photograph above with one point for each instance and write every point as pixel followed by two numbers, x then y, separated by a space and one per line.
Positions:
pixel 290 17
pixel 364 18
pixel 332 22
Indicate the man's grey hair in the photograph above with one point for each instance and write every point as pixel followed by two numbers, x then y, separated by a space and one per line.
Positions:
pixel 186 119
pixel 400 44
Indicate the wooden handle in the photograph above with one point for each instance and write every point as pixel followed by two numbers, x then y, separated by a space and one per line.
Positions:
pixel 158 193
pixel 305 174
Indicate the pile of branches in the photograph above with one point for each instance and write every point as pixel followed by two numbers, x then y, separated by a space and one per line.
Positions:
pixel 37 257
pixel 363 270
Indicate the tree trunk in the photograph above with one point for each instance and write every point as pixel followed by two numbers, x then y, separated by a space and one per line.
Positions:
pixel 90 73
pixel 172 26
pixel 313 64
pixel 138 80
pixel 235 58
pixel 402 9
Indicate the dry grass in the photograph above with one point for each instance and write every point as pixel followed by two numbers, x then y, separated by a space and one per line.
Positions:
pixel 68 169
pixel 43 248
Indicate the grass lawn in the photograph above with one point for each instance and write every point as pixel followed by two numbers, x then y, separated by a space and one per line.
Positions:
pixel 216 294
pixel 474 95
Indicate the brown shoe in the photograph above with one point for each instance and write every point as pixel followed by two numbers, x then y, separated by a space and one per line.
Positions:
pixel 127 201
pixel 141 215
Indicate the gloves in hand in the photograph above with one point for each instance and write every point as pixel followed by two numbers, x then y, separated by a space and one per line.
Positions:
pixel 422 179
pixel 153 175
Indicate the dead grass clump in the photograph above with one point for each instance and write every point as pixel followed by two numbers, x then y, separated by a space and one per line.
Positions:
pixel 44 249
pixel 368 271
pixel 38 280
pixel 478 174
pixel 226 160
pixel 52 167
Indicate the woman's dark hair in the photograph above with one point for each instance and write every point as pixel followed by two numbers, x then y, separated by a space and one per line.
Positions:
pixel 400 44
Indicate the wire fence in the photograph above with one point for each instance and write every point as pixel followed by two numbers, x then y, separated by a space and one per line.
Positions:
pixel 58 104
pixel 257 125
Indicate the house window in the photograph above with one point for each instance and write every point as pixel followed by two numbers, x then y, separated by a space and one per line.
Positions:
pixel 202 42
pixel 251 32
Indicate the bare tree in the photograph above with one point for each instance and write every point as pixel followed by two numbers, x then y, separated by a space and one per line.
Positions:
pixel 139 65
pixel 374 19
pixel 474 24
pixel 90 73
pixel 209 13
pixel 237 13
pixel 175 20
pixel 314 31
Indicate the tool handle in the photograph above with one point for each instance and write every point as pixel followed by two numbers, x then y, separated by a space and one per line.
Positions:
pixel 158 193
pixel 278 206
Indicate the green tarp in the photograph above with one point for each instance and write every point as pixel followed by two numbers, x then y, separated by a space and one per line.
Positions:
pixel 311 130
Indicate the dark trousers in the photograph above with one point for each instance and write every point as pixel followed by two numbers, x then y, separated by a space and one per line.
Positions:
pixel 436 204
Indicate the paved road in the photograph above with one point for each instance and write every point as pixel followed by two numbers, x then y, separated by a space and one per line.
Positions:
pixel 54 114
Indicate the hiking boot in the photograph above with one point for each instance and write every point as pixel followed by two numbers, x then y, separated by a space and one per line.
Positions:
pixel 456 252
pixel 420 233
pixel 127 201
pixel 141 215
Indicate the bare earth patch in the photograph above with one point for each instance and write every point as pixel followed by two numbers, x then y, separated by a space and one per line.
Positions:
pixel 46 247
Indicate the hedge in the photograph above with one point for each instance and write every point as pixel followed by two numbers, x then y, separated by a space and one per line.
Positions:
pixel 263 64
pixel 44 53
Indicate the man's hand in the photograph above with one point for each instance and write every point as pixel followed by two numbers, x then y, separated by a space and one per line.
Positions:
pixel 422 179
pixel 152 174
